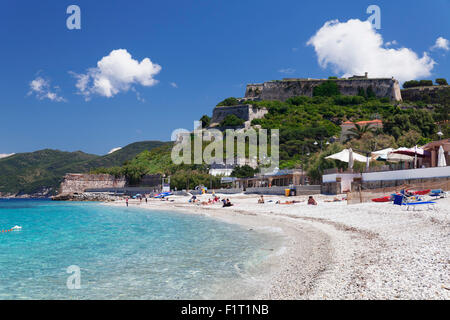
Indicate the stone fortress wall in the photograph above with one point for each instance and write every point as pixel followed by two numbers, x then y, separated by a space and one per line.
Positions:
pixel 288 88
pixel 432 94
pixel 246 112
pixel 78 183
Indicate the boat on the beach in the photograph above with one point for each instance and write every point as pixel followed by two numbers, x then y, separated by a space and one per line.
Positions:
pixel 162 195
pixel 382 199
pixel 422 192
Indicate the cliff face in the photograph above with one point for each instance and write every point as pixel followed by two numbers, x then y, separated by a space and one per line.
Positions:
pixel 78 183
pixel 288 88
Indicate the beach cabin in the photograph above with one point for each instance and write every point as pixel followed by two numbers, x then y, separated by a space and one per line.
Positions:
pixel 433 148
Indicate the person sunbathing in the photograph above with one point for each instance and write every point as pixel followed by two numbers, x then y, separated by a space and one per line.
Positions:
pixel 311 201
pixel 335 199
pixel 227 203
pixel 261 200
pixel 288 202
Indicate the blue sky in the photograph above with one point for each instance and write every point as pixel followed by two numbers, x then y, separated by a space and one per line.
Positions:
pixel 210 49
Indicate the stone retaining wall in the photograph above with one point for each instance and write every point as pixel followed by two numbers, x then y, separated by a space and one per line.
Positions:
pixel 288 88
pixel 78 183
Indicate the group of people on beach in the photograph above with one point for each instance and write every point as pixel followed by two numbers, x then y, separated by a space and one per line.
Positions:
pixel 226 202
pixel 311 201
pixel 140 197
pixel 213 200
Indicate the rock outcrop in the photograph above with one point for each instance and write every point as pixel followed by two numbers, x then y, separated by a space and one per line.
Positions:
pixel 88 196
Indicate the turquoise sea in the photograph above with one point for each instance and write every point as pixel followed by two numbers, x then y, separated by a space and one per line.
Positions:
pixel 126 253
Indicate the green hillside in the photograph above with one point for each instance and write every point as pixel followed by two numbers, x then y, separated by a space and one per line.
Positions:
pixel 310 131
pixel 122 155
pixel 28 173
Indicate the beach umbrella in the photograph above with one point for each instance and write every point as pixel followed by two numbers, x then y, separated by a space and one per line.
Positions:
pixel 350 158
pixel 381 154
pixel 397 157
pixel 441 158
pixel 344 156
pixel 415 157
pixel 412 152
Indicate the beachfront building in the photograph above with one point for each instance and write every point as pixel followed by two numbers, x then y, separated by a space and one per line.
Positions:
pixel 433 149
pixel 227 166
pixel 279 178
pixel 276 183
pixel 426 178
pixel 221 169
pixel 427 166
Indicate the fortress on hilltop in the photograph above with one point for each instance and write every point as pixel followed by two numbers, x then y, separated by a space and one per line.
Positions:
pixel 292 87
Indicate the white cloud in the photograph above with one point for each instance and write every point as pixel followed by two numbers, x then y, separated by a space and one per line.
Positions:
pixel 114 150
pixel 391 43
pixel 6 155
pixel 116 72
pixel 441 43
pixel 287 71
pixel 173 84
pixel 355 47
pixel 42 89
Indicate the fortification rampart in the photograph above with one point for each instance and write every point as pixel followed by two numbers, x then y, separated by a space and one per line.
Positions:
pixel 246 112
pixel 288 88
pixel 73 183
pixel 432 94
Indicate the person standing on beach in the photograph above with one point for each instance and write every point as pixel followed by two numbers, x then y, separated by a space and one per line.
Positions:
pixel 126 200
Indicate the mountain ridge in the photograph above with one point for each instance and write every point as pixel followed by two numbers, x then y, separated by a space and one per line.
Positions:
pixel 39 173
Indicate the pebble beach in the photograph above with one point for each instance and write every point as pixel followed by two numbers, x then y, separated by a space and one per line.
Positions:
pixel 340 251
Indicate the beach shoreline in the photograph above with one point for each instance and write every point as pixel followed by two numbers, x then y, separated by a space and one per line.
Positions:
pixel 340 251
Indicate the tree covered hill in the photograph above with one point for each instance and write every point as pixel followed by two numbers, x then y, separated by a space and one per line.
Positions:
pixel 42 171
pixel 309 131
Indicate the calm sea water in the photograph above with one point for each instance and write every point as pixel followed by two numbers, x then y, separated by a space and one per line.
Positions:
pixel 126 253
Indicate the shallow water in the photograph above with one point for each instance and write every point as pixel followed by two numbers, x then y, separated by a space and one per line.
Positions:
pixel 126 253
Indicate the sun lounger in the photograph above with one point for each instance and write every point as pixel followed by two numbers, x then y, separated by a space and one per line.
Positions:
pixel 401 200
pixel 438 193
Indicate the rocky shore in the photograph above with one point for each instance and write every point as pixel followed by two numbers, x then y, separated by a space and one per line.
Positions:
pixel 88 196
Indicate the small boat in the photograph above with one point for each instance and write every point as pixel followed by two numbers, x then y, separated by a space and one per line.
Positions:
pixel 16 228
pixel 383 199
pixel 162 195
